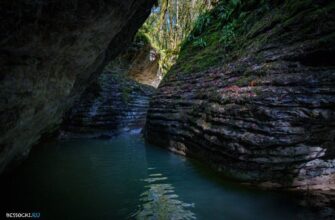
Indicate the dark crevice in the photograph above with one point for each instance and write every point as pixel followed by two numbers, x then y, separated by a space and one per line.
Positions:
pixel 323 58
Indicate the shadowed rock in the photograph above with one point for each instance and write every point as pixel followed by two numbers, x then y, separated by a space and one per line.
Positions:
pixel 50 52
pixel 115 102
pixel 109 106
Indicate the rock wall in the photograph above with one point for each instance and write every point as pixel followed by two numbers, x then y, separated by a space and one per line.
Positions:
pixel 258 105
pixel 50 52
pixel 119 99
pixel 142 63
pixel 111 105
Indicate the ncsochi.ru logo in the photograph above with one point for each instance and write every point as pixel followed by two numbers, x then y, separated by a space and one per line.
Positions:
pixel 23 215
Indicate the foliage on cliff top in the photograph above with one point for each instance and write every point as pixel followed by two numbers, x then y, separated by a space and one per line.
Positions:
pixel 216 33
pixel 221 35
pixel 169 24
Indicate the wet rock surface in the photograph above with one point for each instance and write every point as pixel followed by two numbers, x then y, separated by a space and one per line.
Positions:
pixel 109 106
pixel 118 100
pixel 50 52
pixel 266 114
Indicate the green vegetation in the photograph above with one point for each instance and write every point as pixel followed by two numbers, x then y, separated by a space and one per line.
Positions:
pixel 202 34
pixel 223 33
pixel 169 24
pixel 217 33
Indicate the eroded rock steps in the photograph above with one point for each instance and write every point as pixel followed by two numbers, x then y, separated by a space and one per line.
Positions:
pixel 110 105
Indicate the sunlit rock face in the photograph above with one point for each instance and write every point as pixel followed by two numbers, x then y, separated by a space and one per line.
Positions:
pixel 50 52
pixel 266 113
pixel 142 64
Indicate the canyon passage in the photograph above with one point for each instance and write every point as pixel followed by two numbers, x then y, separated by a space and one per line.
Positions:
pixel 167 109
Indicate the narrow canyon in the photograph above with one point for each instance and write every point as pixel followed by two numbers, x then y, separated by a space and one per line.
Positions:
pixel 145 109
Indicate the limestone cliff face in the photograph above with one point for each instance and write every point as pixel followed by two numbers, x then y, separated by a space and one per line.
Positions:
pixel 259 105
pixel 110 105
pixel 142 64
pixel 50 52
pixel 115 102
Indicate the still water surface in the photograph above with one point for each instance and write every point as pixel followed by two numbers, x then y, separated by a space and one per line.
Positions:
pixel 124 178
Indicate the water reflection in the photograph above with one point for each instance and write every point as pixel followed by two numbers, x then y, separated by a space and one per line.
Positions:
pixel 126 178
pixel 160 201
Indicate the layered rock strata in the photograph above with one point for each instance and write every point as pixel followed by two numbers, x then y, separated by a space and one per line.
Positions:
pixel 119 99
pixel 263 109
pixel 109 106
